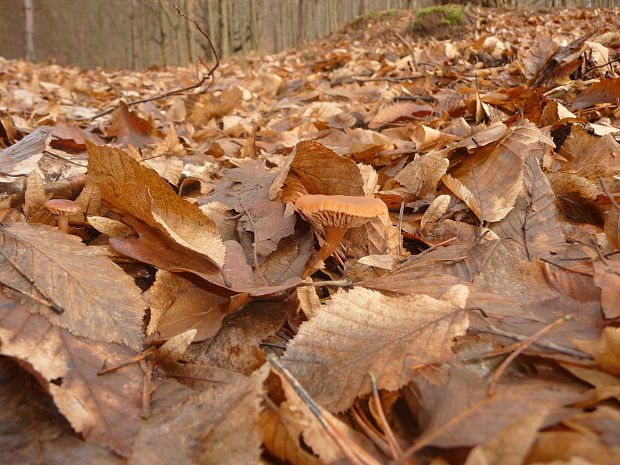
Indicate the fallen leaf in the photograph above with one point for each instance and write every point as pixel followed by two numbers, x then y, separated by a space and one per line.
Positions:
pixel 31 428
pixel 361 331
pixel 58 267
pixel 140 191
pixel 212 427
pixel 22 157
pixel 106 410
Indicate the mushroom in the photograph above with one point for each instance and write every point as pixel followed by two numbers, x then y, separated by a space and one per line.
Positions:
pixel 62 209
pixel 338 213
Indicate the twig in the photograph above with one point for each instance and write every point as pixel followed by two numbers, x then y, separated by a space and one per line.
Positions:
pixel 129 361
pixel 408 46
pixel 146 389
pixel 63 159
pixel 542 259
pixel 51 305
pixel 342 441
pixel 339 283
pixel 400 227
pixel 544 344
pixel 522 346
pixel 388 79
pixel 178 90
pixel 48 302
pixel 607 193
pixel 387 431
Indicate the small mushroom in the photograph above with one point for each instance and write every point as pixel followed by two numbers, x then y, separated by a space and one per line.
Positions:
pixel 62 209
pixel 338 213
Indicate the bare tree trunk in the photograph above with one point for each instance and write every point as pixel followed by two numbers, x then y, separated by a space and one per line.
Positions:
pixel 28 30
pixel 163 46
pixel 134 34
pixel 253 25
pixel 189 30
pixel 224 28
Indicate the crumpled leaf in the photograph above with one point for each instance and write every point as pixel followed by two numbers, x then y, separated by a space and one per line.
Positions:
pixel 57 267
pixel 363 330
pixel 129 128
pixel 106 410
pixel 422 174
pixel 22 157
pixel 178 305
pixel 140 191
pixel 31 428
pixel 319 170
pixel 489 180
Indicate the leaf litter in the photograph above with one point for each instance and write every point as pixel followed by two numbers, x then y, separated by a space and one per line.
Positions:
pixel 186 315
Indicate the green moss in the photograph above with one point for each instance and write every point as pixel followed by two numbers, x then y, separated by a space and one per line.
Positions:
pixel 452 15
pixel 309 56
pixel 379 14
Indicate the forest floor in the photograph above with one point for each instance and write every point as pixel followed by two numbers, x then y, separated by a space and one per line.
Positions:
pixel 187 318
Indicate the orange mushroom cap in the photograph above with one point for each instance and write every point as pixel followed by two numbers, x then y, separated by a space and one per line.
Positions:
pixel 62 207
pixel 340 211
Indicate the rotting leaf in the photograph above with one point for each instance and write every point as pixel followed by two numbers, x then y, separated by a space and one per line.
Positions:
pixel 106 410
pixel 31 428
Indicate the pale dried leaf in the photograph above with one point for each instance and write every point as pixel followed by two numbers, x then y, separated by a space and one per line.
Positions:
pixel 178 305
pixel 363 330
pixel 64 272
pixel 136 189
pixel 435 211
pixel 422 174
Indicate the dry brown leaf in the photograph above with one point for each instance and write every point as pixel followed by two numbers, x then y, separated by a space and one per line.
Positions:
pixel 566 445
pixel 490 179
pixel 458 392
pixel 320 170
pixel 607 278
pixel 33 431
pixel 603 421
pixel 174 348
pixel 22 157
pixel 178 305
pixel 605 351
pixel 207 106
pixel 99 300
pixel 534 223
pixel 236 346
pixel 106 410
pixel 422 174
pixel 363 330
pixel 35 197
pixel 300 422
pixel 582 149
pixel 140 191
pixel 511 445
pixel 612 226
pixel 213 427
pixel 110 227
pixel 129 128
pixel 398 112
pixel 604 91
pixel 435 211
pixel 281 443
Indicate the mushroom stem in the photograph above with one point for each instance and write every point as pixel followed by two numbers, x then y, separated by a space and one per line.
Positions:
pixel 332 241
pixel 63 223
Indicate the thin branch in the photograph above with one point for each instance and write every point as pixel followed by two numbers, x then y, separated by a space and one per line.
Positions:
pixel 523 345
pixel 178 90
pixel 408 47
pixel 544 344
